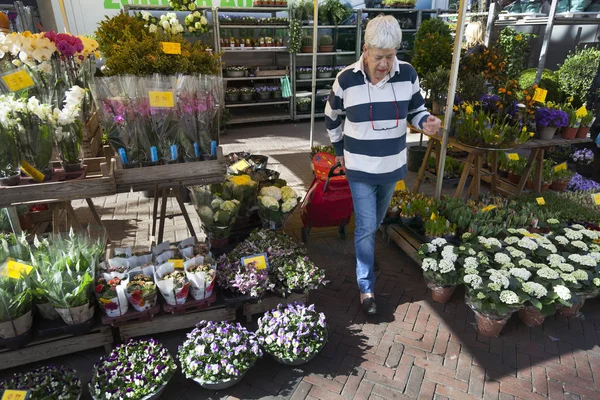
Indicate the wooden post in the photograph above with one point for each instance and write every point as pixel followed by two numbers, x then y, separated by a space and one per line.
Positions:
pixel 421 173
pixel 494 182
pixel 465 174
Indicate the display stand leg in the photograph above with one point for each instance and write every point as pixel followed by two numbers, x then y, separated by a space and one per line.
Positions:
pixel 477 177
pixel 421 173
pixel 96 216
pixel 155 211
pixel 494 181
pixel 539 170
pixel 13 218
pixel 464 176
pixel 526 172
pixel 179 198
pixel 72 217
pixel 56 217
pixel 163 211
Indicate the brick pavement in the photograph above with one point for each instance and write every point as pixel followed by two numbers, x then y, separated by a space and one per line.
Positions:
pixel 415 348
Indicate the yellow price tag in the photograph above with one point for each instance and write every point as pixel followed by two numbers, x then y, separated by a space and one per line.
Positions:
pixel 560 167
pixel 400 185
pixel 15 269
pixel 513 156
pixel 488 208
pixel 177 263
pixel 596 198
pixel 531 235
pixel 581 112
pixel 18 80
pixel 259 260
pixel 433 216
pixel 240 166
pixel 540 201
pixel 161 99
pixel 171 47
pixel 15 395
pixel 540 95
pixel 32 172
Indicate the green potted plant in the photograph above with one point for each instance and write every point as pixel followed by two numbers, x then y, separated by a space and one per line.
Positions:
pixel 246 93
pixel 307 44
pixel 576 74
pixel 325 44
pixel 439 261
pixel 570 131
pixel 436 82
pixel 584 127
pixel 333 12
pixel 303 104
pixel 561 179
pixel 233 94
pixel 438 227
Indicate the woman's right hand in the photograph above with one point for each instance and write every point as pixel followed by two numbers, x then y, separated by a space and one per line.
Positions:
pixel 340 159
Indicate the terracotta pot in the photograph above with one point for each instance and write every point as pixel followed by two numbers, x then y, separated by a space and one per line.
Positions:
pixel 326 49
pixel 568 132
pixel 559 186
pixel 531 316
pixel 307 49
pixel 582 132
pixel 72 167
pixel 441 294
pixel 572 311
pixel 545 186
pixel 490 327
pixel 512 178
pixel 530 185
pixel 547 132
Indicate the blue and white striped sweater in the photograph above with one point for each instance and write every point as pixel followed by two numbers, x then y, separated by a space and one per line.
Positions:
pixel 374 156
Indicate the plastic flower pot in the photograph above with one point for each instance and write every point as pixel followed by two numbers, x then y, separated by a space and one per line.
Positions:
pixel 46 311
pixel 568 132
pixel 221 385
pixel 547 133
pixel 441 294
pixel 490 326
pixel 235 74
pixel 233 96
pixel 264 95
pixel 531 316
pixel 512 178
pixel 582 132
pixel 16 327
pixel 277 94
pixel 246 96
pixel 304 76
pixel 76 315
pixel 559 186
pixel 325 74
pixel 305 107
pixel 572 311
pixel 152 396
pixel 415 157
pixel 11 180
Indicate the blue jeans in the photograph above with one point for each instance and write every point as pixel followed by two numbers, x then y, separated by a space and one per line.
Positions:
pixel 370 204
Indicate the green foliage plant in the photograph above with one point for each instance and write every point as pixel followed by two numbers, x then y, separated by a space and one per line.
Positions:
pixel 433 47
pixel 549 81
pixel 325 40
pixel 514 46
pixel 333 12
pixel 576 74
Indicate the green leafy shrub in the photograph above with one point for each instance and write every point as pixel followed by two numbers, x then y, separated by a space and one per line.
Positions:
pixel 549 82
pixel 576 74
pixel 433 47
pixel 514 46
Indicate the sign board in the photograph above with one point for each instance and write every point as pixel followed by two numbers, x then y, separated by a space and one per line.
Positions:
pixel 260 261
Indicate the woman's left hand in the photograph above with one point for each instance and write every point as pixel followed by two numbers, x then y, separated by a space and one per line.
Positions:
pixel 432 125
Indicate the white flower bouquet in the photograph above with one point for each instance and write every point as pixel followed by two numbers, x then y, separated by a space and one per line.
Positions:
pixel 218 352
pixel 293 334
pixel 196 23
pixel 275 205
pixel 46 383
pixel 132 371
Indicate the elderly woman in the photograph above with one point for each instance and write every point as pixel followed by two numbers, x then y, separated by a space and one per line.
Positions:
pixel 379 94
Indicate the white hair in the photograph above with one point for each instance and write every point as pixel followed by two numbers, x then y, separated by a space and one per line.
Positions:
pixel 474 33
pixel 383 32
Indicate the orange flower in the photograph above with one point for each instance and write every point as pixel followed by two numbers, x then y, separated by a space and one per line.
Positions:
pixel 535 86
pixel 525 92
pixel 509 93
pixel 528 98
pixel 500 106
pixel 493 68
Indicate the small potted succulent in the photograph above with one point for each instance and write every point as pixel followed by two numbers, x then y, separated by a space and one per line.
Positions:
pixel 138 369
pixel 307 44
pixel 561 180
pixel 46 383
pixel 233 94
pixel 584 161
pixel 292 334
pixel 324 72
pixel 548 120
pixel 246 93
pixel 303 104
pixel 217 355
pixel 325 44
pixel 303 73
pixel 263 92
pixel 235 71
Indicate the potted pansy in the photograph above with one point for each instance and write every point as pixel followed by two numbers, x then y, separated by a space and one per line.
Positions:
pixel 324 71
pixel 46 383
pixel 303 73
pixel 217 355
pixel 295 274
pixel 141 291
pixel 292 334
pixel 235 71
pixel 584 162
pixel 275 205
pixel 138 369
pixel 548 120
pixel 263 92
pixel 111 296
pixel 439 261
pixel 232 94
pixel 241 282
pixel 246 93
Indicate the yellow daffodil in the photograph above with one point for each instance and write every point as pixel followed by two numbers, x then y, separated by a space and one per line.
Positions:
pixel 469 110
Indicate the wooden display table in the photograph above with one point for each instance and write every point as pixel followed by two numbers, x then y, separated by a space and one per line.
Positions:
pixel 474 165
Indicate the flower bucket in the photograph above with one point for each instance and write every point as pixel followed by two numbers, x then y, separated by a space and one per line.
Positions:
pixel 46 311
pixel 547 133
pixel 441 294
pixel 235 74
pixel 264 96
pixel 246 96
pixel 324 75
pixel 136 299
pixel 16 327
pixel 221 385
pixel 76 315
pixel 531 316
pixel 582 132
pixel 233 97
pixel 199 288
pixel 489 326
pixel 569 133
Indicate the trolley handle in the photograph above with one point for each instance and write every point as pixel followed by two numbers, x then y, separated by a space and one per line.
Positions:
pixel 332 173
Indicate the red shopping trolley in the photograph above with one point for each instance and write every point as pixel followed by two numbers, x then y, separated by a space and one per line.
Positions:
pixel 328 202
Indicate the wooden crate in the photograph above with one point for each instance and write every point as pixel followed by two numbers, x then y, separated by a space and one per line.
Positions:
pixel 168 322
pixel 404 239
pixel 269 303
pixel 45 348
pixel 271 72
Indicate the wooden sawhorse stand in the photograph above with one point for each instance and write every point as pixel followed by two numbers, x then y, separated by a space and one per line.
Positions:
pixel 163 194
